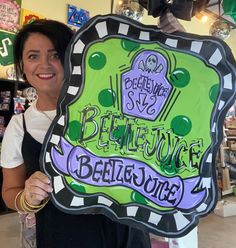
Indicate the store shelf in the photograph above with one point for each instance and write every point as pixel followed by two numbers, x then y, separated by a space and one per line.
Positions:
pixel 228 156
pixel 8 90
pixel 227 192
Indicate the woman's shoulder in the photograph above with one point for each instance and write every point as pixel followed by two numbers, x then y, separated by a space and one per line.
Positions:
pixel 16 121
pixel 11 143
pixel 14 127
pixel 31 112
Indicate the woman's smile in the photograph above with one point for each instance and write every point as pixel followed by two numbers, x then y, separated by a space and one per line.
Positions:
pixel 46 76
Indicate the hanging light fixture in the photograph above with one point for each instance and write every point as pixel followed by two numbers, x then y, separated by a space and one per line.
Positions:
pixel 220 28
pixel 130 8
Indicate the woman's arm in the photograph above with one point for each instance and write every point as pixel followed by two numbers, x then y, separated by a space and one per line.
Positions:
pixel 13 182
pixel 36 187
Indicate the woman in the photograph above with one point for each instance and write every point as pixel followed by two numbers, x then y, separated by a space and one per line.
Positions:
pixel 39 51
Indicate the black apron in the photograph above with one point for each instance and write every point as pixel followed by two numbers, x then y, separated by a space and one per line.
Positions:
pixel 56 229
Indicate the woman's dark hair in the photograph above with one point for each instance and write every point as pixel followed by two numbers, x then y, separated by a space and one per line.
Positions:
pixel 58 33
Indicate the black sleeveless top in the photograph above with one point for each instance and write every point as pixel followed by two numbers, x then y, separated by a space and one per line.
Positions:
pixel 56 229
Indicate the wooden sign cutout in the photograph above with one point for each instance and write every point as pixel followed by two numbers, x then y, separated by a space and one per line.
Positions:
pixel 138 125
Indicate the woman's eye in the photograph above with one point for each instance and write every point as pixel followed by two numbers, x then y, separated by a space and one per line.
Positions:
pixel 32 56
pixel 55 56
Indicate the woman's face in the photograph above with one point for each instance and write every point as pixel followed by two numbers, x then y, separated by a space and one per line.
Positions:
pixel 42 66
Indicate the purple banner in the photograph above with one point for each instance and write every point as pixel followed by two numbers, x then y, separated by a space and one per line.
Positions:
pixel 88 168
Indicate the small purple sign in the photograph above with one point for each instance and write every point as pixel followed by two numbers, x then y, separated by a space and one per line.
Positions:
pixel 145 87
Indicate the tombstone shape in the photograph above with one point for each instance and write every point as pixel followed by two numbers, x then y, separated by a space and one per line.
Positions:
pixel 145 88
pixel 138 125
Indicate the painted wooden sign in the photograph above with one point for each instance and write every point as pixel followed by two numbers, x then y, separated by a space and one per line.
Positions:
pixel 138 125
pixel 77 17
pixel 6 55
pixel 10 15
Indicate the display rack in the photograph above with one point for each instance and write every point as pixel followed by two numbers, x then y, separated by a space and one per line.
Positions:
pixel 8 90
pixel 228 156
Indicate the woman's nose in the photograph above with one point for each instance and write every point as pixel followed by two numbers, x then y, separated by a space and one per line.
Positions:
pixel 45 61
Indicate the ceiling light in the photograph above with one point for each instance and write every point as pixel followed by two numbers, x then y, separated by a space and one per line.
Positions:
pixel 201 17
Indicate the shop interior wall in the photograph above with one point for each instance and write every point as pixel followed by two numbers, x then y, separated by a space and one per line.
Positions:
pixel 193 26
pixel 197 27
pixel 57 9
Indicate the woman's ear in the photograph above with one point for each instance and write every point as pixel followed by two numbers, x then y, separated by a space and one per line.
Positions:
pixel 23 74
pixel 24 77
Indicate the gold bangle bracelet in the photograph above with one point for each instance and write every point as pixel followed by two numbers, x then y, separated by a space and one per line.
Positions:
pixel 25 207
pixel 15 202
pixel 22 205
pixel 28 207
pixel 44 202
pixel 28 210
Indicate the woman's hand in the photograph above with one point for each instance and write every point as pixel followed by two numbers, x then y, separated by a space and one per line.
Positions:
pixel 37 187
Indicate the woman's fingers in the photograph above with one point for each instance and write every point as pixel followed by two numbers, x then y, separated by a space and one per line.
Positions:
pixel 39 180
pixel 37 187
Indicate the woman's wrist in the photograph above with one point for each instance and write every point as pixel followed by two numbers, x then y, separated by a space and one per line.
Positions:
pixel 22 206
pixel 17 202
